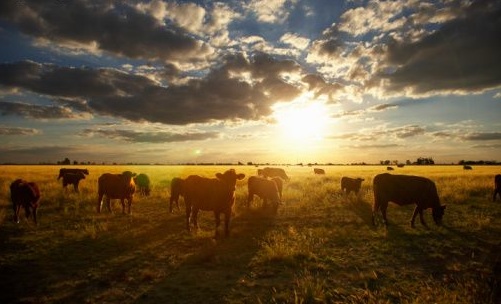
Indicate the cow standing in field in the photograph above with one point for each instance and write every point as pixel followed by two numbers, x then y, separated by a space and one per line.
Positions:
pixel 406 190
pixel 211 194
pixel 72 179
pixel 142 182
pixel 24 195
pixel 497 187
pixel 63 171
pixel 273 172
pixel 351 184
pixel 318 171
pixel 467 167
pixel 264 188
pixel 116 186
pixel 176 190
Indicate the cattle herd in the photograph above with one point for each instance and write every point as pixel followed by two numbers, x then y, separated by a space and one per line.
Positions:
pixel 218 194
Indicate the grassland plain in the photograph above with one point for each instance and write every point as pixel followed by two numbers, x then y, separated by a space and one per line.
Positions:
pixel 320 248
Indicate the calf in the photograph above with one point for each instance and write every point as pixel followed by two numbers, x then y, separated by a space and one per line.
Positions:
pixel 26 195
pixel 351 184
pixel 318 171
pixel 116 186
pixel 62 171
pixel 406 190
pixel 142 182
pixel 176 190
pixel 264 188
pixel 72 179
pixel 211 194
pixel 497 187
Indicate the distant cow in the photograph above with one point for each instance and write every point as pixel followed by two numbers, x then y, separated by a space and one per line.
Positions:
pixel 26 195
pixel 406 190
pixel 116 186
pixel 466 167
pixel 351 184
pixel 72 179
pixel 142 182
pixel 176 190
pixel 389 168
pixel 266 189
pixel 497 186
pixel 62 171
pixel 318 171
pixel 272 172
pixel 211 194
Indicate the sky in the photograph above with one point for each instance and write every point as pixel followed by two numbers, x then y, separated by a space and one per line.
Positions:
pixel 261 81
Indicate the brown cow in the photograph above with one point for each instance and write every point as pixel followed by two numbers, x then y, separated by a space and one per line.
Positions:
pixel 406 190
pixel 62 171
pixel 318 171
pixel 26 195
pixel 72 179
pixel 211 194
pixel 351 184
pixel 272 172
pixel 264 188
pixel 497 186
pixel 116 186
pixel 176 190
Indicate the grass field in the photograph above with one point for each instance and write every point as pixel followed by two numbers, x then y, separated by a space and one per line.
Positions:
pixel 320 248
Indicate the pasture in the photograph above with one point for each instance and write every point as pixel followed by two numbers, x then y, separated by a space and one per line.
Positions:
pixel 320 247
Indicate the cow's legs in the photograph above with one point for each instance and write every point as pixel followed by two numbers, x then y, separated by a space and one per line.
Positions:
pixel 383 208
pixel 421 217
pixel 129 204
pixel 217 217
pixel 194 216
pixel 250 197
pixel 108 204
pixel 496 191
pixel 99 202
pixel 188 207
pixel 122 201
pixel 75 187
pixel 227 218
pixel 16 208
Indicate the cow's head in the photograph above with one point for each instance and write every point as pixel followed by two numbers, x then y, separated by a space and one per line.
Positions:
pixel 230 178
pixel 438 214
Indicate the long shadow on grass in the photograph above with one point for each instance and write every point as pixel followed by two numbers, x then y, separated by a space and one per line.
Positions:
pixel 214 271
pixel 362 209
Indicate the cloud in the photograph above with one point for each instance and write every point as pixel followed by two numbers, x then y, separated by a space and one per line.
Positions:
pixel 224 94
pixel 15 131
pixel 482 136
pixel 40 112
pixel 270 11
pixel 383 133
pixel 295 40
pixel 149 137
pixel 113 27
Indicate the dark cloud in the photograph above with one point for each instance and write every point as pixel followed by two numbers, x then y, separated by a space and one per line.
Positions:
pixel 17 131
pixel 460 56
pixel 378 134
pixel 38 111
pixel 149 137
pixel 482 136
pixel 320 87
pixel 218 96
pixel 115 27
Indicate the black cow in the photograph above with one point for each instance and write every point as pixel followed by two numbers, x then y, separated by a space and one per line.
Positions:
pixel 497 187
pixel 24 195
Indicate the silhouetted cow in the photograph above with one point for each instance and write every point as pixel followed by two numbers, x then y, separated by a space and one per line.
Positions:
pixel 497 187
pixel 272 172
pixel 142 182
pixel 389 168
pixel 176 190
pixel 264 188
pixel 406 190
pixel 318 171
pixel 26 195
pixel 351 184
pixel 466 167
pixel 62 171
pixel 116 186
pixel 211 194
pixel 72 179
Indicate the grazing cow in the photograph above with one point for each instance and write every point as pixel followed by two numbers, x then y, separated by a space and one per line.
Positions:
pixel 466 167
pixel 351 184
pixel 176 189
pixel 142 182
pixel 116 186
pixel 272 172
pixel 280 184
pixel 266 189
pixel 211 194
pixel 406 190
pixel 497 186
pixel 389 168
pixel 62 171
pixel 318 171
pixel 72 179
pixel 26 195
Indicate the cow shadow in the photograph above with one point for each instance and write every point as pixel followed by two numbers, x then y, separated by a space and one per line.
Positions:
pixel 362 208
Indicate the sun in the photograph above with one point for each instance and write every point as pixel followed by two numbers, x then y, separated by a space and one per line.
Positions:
pixel 302 120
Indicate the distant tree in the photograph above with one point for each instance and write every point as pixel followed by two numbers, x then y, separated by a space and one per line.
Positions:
pixel 66 161
pixel 75 162
pixel 408 162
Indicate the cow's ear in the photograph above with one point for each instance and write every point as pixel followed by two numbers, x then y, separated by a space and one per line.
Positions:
pixel 241 176
pixel 219 175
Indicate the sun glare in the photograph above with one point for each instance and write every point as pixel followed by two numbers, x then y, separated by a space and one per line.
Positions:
pixel 302 120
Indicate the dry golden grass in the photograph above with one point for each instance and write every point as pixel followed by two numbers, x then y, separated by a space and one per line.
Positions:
pixel 320 248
